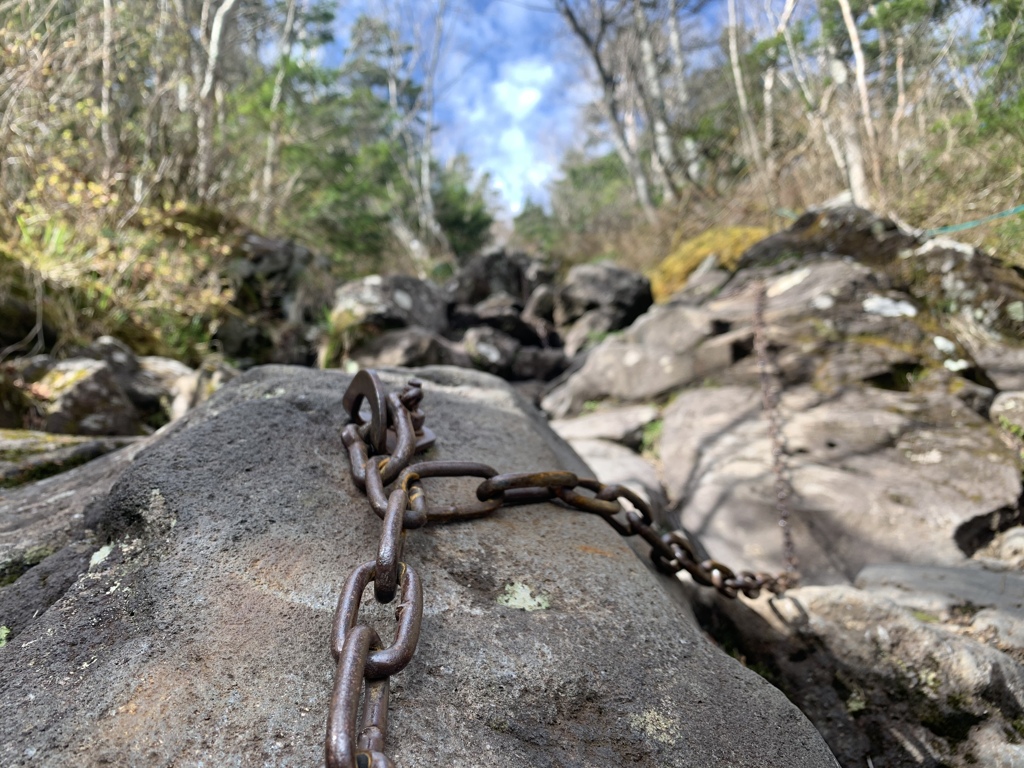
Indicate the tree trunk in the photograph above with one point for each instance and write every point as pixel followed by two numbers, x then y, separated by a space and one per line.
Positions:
pixel 856 177
pixel 769 96
pixel 413 245
pixel 206 116
pixel 901 103
pixel 680 93
pixel 746 121
pixel 270 155
pixel 609 103
pixel 427 214
pixel 654 105
pixel 107 133
pixel 154 110
pixel 860 74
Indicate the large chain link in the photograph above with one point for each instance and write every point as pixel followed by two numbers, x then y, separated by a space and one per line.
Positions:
pixel 381 445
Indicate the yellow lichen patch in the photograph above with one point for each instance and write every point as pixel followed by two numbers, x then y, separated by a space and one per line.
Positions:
pixel 58 381
pixel 656 726
pixel 520 596
pixel 726 244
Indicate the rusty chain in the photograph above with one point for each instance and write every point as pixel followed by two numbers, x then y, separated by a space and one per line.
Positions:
pixel 381 448
pixel 771 383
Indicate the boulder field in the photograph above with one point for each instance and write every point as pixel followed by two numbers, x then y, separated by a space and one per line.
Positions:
pixel 170 600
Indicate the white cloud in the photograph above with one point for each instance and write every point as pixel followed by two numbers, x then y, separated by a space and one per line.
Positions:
pixel 509 91
pixel 513 142
pixel 522 85
pixel 507 106
pixel 516 100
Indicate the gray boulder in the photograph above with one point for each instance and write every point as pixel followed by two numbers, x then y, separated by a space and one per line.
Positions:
pixel 394 301
pixel 651 357
pixel 491 350
pixel 27 455
pixel 498 271
pixel 242 340
pixel 841 230
pixel 195 627
pixel 589 330
pixel 502 312
pixel 40 521
pixel 84 397
pixel 1003 364
pixel 539 363
pixel 1007 411
pixel 623 424
pixel 151 382
pixel 411 348
pixel 878 475
pixel 15 405
pixel 364 309
pixel 198 386
pixel 541 303
pixel 974 598
pixel 164 379
pixel 116 354
pixel 623 292
pixel 281 292
pixel 887 684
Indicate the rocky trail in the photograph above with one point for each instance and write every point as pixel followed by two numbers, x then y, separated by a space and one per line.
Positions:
pixel 898 366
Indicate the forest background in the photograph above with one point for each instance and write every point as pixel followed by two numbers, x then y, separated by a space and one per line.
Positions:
pixel 141 140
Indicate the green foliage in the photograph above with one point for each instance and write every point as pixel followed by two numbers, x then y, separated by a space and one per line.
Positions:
pixel 591 202
pixel 1014 429
pixel 535 229
pixel 154 283
pixel 462 208
pixel 651 437
pixel 591 190
pixel 1002 103
pixel 99 196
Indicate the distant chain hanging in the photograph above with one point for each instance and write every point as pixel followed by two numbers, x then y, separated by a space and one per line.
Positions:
pixel 380 449
pixel 771 385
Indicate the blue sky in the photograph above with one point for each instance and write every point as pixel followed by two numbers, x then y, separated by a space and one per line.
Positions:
pixel 510 89
pixel 517 93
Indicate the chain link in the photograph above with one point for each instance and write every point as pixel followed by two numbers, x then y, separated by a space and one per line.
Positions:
pixel 771 385
pixel 385 433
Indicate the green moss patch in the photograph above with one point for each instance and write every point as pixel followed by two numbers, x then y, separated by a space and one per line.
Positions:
pixel 727 244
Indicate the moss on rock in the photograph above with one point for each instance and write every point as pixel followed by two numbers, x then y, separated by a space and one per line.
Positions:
pixel 726 244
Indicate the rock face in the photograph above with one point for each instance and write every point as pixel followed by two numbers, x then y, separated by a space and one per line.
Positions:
pixel 26 455
pixel 893 678
pixel 625 295
pixel 620 425
pixel 648 359
pixel 281 292
pixel 395 301
pixel 14 403
pixel 498 271
pixel 901 369
pixel 83 397
pixel 879 476
pixel 104 389
pixel 194 625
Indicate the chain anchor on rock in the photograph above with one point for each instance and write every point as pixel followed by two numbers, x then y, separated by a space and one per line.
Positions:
pixel 385 433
